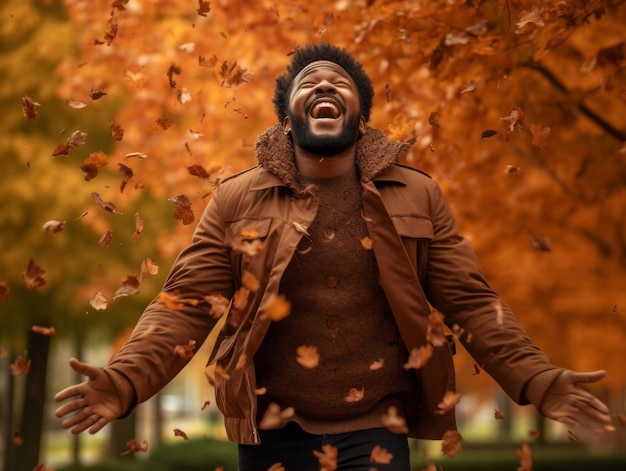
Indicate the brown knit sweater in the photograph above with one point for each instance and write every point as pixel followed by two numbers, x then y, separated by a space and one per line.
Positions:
pixel 339 308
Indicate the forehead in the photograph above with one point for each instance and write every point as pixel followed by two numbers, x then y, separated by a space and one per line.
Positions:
pixel 322 66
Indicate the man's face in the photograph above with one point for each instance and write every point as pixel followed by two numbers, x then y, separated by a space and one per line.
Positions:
pixel 324 112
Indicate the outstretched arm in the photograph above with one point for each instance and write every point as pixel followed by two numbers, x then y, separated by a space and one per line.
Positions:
pixel 104 397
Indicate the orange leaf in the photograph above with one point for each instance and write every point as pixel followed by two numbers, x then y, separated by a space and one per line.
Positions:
pixel 418 357
pixel 308 356
pixel 355 395
pixel 92 164
pixel 28 108
pixel 185 351
pixel 21 366
pixel 449 400
pixel 451 443
pixel 278 308
pixel 275 418
pixel 182 209
pixel 394 422
pixel 526 458
pixel 327 457
pixel 47 331
pixel 380 455
pixel 179 433
pixel 34 276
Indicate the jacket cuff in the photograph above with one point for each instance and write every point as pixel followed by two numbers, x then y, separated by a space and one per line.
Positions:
pixel 537 386
pixel 125 391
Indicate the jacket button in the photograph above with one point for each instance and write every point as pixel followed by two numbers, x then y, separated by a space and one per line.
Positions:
pixel 329 234
pixel 332 322
pixel 332 281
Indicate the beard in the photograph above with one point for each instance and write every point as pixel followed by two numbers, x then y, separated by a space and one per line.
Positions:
pixel 326 146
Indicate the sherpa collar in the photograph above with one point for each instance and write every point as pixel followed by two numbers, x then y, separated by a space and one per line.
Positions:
pixel 375 153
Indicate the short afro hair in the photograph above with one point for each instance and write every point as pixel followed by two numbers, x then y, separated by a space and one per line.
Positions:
pixel 303 56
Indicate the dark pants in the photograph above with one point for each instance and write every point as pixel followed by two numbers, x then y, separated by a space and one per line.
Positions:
pixel 293 448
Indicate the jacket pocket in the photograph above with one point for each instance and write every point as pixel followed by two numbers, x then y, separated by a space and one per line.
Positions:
pixel 414 227
pixel 416 233
pixel 245 231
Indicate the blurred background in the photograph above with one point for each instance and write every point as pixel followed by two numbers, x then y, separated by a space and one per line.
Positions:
pixel 120 117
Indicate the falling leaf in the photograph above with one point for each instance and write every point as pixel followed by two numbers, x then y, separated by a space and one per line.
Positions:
pixel 355 395
pixel 205 405
pixel 106 239
pixel 42 330
pixel 499 415
pixel 401 129
pixel 240 298
pixel 307 356
pixel 219 305
pixel 367 243
pixel 540 242
pixel 53 226
pixel 476 369
pixel 17 438
pixel 394 422
pixel 173 70
pixel 377 365
pixel 533 16
pixel 163 124
pixel 210 62
pixel 260 391
pixel 327 457
pixel 107 206
pixel 34 276
pixel 196 135
pixel 28 108
pixel 525 458
pixel 127 173
pixel 183 96
pixel 242 362
pixel 250 281
pixel 98 301
pixel 470 87
pixel 117 131
pixel 110 35
pixel 449 400
pixel 21 366
pixel 149 268
pixel 434 332
pixel 275 418
pixel 278 308
pixel 451 443
pixel 541 135
pixel 300 228
pixel 203 7
pixel 514 120
pixel 198 171
pixel 488 133
pixel 92 164
pixel 173 301
pixel 96 94
pixel 5 291
pixel 276 467
pixel 571 436
pixel 418 357
pixel 182 209
pixel 139 155
pixel 133 446
pixel 185 351
pixel 433 119
pixel 533 433
pixel 77 105
pixel 380 455
pixel 77 138
pixel 138 227
pixel 511 170
pixel 130 286
pixel 179 433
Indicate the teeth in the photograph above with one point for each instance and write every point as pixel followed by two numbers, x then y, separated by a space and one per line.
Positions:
pixel 325 109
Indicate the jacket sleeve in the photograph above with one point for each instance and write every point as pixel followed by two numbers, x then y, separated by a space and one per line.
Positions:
pixel 148 360
pixel 455 285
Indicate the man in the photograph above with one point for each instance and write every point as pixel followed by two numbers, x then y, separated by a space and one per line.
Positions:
pixel 360 248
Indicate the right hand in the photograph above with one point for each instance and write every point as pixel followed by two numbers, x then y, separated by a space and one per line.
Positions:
pixel 95 402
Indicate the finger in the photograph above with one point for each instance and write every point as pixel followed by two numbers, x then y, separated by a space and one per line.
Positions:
pixel 70 407
pixel 83 368
pixel 99 425
pixel 77 418
pixel 588 376
pixel 71 391
pixel 85 424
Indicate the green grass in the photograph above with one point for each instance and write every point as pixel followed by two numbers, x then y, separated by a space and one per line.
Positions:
pixel 207 454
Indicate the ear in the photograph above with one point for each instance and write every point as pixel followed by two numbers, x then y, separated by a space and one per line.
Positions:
pixel 286 125
pixel 362 126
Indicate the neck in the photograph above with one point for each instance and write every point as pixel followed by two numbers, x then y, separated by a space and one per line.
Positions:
pixel 322 166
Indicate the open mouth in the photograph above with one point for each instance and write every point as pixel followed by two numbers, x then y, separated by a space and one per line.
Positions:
pixel 325 109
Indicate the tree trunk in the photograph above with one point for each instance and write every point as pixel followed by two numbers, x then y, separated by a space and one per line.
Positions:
pixel 27 455
pixel 7 417
pixel 122 431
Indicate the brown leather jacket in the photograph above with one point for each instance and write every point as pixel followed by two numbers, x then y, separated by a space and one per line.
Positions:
pixel 421 256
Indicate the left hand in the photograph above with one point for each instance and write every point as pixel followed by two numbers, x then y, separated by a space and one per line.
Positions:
pixel 567 402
